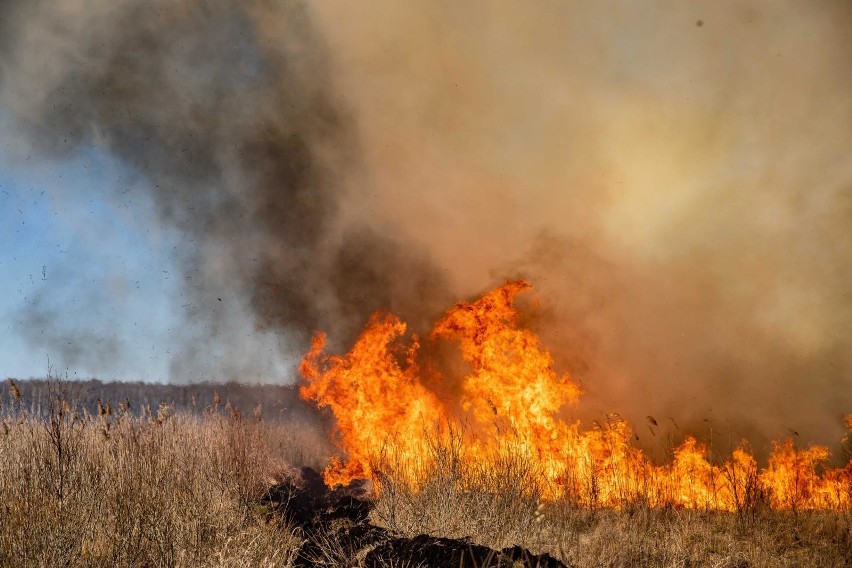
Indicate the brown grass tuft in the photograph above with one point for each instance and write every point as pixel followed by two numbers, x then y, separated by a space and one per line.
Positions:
pixel 121 490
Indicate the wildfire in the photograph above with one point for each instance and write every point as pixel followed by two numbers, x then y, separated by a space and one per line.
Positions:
pixel 511 400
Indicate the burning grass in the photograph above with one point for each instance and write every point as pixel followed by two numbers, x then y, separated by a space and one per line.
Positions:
pixel 509 398
pixel 499 465
pixel 500 503
pixel 179 489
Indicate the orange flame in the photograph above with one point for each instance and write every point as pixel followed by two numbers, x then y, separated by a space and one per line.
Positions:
pixel 511 399
pixel 373 397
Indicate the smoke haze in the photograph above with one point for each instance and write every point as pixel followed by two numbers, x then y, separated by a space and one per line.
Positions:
pixel 673 178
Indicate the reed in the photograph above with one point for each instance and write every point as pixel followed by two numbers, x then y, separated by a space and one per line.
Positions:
pixel 129 486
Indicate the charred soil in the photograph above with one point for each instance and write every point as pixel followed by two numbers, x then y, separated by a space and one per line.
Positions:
pixel 336 528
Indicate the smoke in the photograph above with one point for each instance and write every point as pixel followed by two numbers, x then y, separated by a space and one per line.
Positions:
pixel 228 110
pixel 674 179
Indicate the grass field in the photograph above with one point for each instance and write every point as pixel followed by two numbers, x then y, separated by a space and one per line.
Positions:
pixel 166 488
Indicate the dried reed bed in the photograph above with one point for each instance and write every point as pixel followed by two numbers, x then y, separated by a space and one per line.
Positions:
pixel 151 489
pixel 158 488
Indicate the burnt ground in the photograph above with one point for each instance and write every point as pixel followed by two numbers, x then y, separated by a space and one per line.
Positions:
pixel 336 529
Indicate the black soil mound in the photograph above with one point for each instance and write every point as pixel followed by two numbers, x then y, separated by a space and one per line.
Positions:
pixel 337 531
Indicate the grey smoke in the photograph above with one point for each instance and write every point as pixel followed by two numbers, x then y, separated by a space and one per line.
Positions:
pixel 248 151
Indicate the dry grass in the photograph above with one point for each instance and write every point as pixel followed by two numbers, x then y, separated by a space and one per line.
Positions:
pixel 150 490
pixel 164 489
pixel 499 507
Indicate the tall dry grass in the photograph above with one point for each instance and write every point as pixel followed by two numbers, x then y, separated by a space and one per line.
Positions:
pixel 160 488
pixel 498 504
pixel 152 489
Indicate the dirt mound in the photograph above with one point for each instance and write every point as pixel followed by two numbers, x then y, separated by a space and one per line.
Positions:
pixel 337 531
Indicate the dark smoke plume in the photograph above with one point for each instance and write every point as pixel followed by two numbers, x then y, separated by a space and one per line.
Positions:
pixel 244 142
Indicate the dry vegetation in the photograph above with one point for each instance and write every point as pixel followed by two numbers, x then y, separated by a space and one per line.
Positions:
pixel 153 489
pixel 159 488
pixel 500 507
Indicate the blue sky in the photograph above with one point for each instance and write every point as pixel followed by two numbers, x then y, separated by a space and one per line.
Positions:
pixel 90 257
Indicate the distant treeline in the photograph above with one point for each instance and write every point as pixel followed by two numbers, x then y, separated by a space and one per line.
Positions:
pixel 272 402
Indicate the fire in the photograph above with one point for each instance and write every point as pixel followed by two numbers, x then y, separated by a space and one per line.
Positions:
pixel 511 400
pixel 375 399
